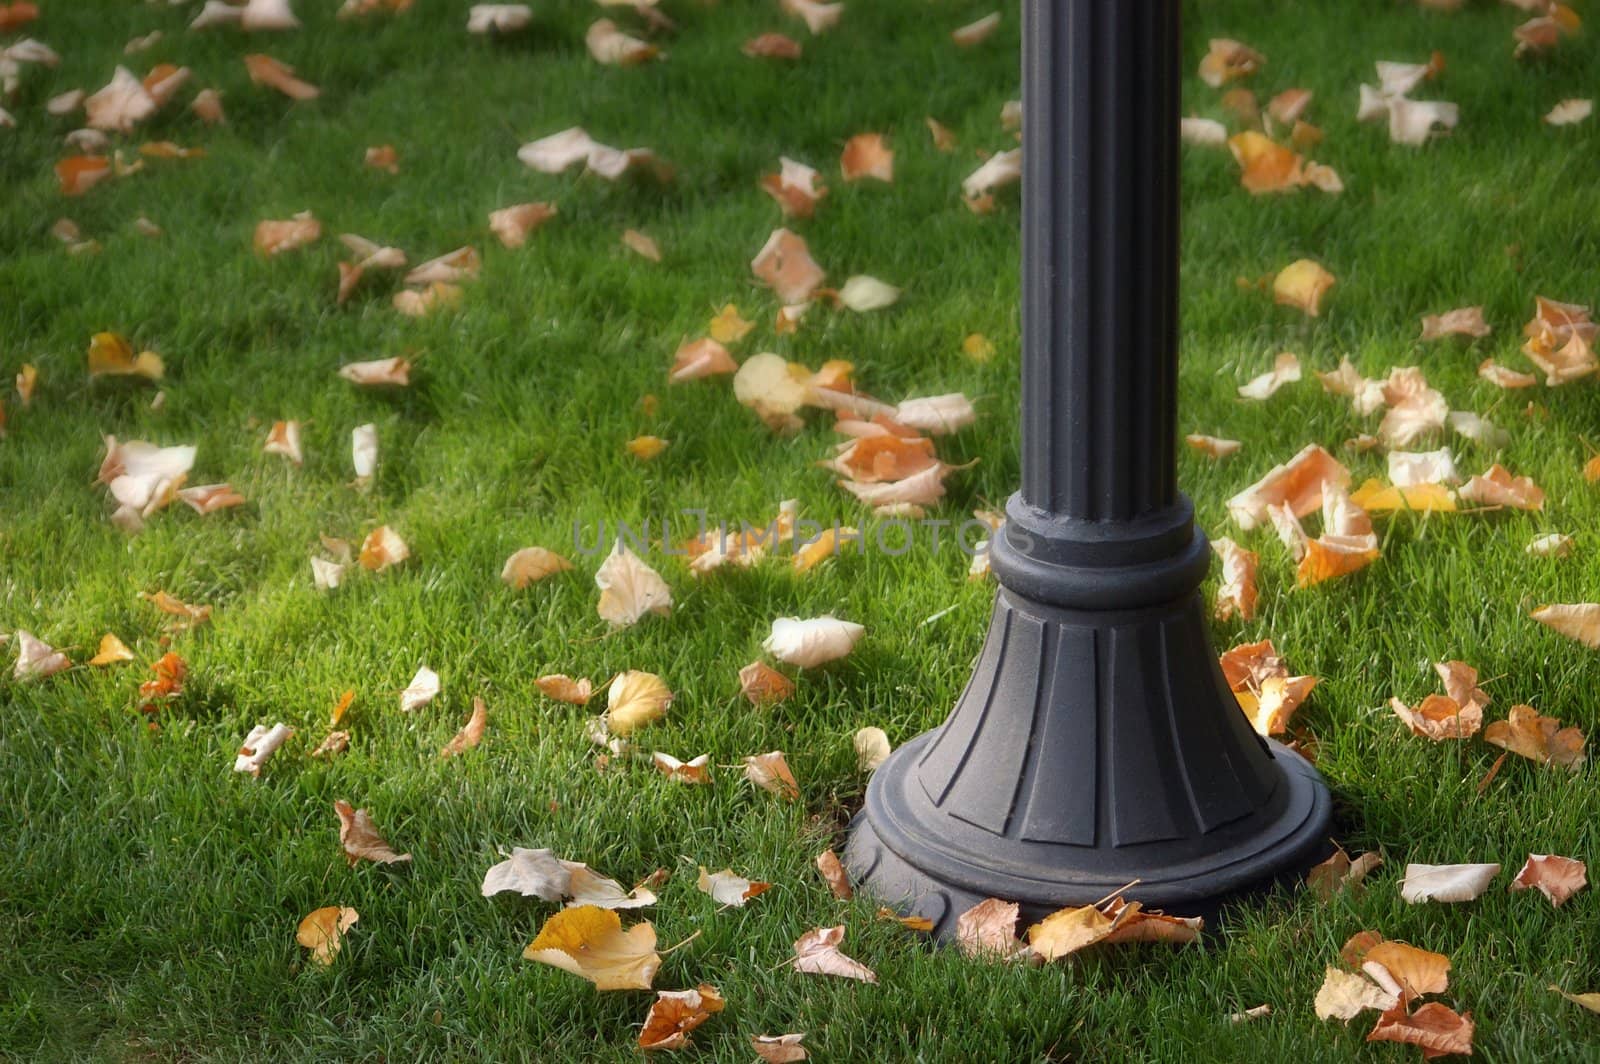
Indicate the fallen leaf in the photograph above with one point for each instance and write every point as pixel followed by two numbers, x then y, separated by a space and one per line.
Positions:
pixel 589 942
pixel 513 224
pixel 695 771
pixel 1440 717
pixel 1538 738
pixel 1237 592
pixel 1498 487
pixel 498 18
pixel 112 356
pixel 1447 883
pixel 531 873
pixel 1569 112
pixel 975 33
pixel 811 642
pixel 771 772
pixel 645 448
pixel 267 71
pixel 863 294
pixel 1211 446
pixel 1550 545
pixel 771 46
pixel 988 930
pixel 1228 60
pixel 1002 169
pixel 1066 931
pixel 79 173
pixel 169 671
pixel 609 46
pixel 779 1048
pixel 360 839
pixel 629 588
pixel 340 708
pixel 1296 484
pixel 1580 621
pixel 530 565
pixel 462 264
pixel 764 685
pixel 564 688
pixel 112 650
pixel 819 17
pixel 383 548
pixel 322 932
pixel 471 733
pixel 728 889
pixel 1301 285
pixel 872 748
pixel 189 616
pixel 635 699
pixel 641 245
pixel 1557 878
pixel 1502 377
pixel 1339 872
pixel 284 439
pixel 260 744
pixel 704 357
pixel 209 498
pixel 785 265
pixel 37 659
pixel 1285 370
pixel 121 105
pixel 1588 1001
pixel 817 952
pixel 834 875
pixel 867 156
pixel 383 157
pixel 675 1013
pixel 336 742
pixel 1465 321
pixel 1344 995
pixel 423 688
pixel 276 237
pixel 1437 1029
pixel 207 106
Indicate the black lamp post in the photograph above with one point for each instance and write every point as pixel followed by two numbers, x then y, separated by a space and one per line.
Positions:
pixel 1097 742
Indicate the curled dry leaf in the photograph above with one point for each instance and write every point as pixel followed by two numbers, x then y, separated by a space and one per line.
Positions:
pixel 1569 112
pixel 326 575
pixel 704 357
pixel 462 264
pixel 260 744
pixel 675 1013
pixel 833 874
pixel 728 889
pixel 423 688
pixel 1501 377
pixel 988 930
pixel 1447 883
pixel 609 46
pixel 1344 995
pixel 589 942
pixel 796 187
pixel 817 952
pixel 513 224
pixel 872 748
pixel 1002 169
pixel 770 772
pixel 812 642
pixel 336 742
pixel 785 265
pixel 121 105
pixel 79 173
pixel 1550 545
pixel 1498 487
pixel 364 452
pixel 284 439
pixel 1557 878
pixel 629 588
pixel 564 688
pixel 1296 484
pixel 111 355
pixel 1228 60
pixel 1538 738
pixel 635 699
pixel 531 873
pixel 1212 446
pixel 188 615
pixel 771 46
pixel 1285 370
pixel 641 245
pixel 938 415
pixel 1408 469
pixel 530 565
pixel 779 1048
pixel 440 295
pixel 1339 872
pixel 1203 132
pixel 975 33
pixel 207 106
pixel 498 18
pixel 112 650
pixel 863 294
pixel 209 498
pixel 865 156
pixel 1237 592
pixel 1579 620
pixel 764 685
pixel 1437 1029
pixel 471 733
pixel 696 771
pixel 267 71
pixel 360 838
pixel 1464 321
pixel 383 548
pixel 1301 285
pixel 276 237
pixel 323 930
pixel 818 17
pixel 37 659
pixel 1440 717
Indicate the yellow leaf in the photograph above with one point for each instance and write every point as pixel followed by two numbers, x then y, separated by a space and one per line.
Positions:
pixel 645 448
pixel 111 355
pixel 322 932
pixel 728 327
pixel 636 698
pixel 1375 496
pixel 111 650
pixel 589 942
pixel 1302 284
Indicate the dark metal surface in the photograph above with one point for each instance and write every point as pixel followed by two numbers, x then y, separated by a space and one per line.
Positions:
pixel 1097 742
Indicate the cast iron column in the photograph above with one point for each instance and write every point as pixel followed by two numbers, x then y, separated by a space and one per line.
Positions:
pixel 1097 742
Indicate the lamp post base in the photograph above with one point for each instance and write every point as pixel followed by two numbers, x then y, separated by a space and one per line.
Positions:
pixel 1090 751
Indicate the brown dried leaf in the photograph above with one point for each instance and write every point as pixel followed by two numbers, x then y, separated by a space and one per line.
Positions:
pixel 564 688
pixel 785 265
pixel 267 71
pixel 1439 1030
pixel 360 839
pixel 833 873
pixel 589 942
pixel 675 1013
pixel 530 565
pixel 1538 738
pixel 865 156
pixel 322 931
pixel 817 952
pixel 1557 878
pixel 471 733
pixel 770 772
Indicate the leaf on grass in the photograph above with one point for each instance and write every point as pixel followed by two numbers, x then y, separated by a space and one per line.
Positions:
pixel 988 930
pixel 1439 718
pixel 79 173
pixel 111 650
pixel 189 616
pixel 1501 377
pixel 812 642
pixel 336 742
pixel 1285 370
pixel 1557 878
pixel 462 264
pixel 267 71
pixel 423 688
pixel 564 688
pixel 1339 872
pixel 1498 487
pixel 1002 169
pixel 1212 446
pixel 207 106
pixel 629 588
pixel 796 187
pixel 646 447
pixel 770 772
pixel 209 498
pixel 862 294
pixel 121 105
pixel 1538 738
pixel 322 931
pixel 771 46
pixel 635 699
pixel 1464 321
pixel 1344 995
pixel 611 47
pixel 1297 484
pixel 1417 972
pixel 112 356
pixel 531 873
pixel 589 942
pixel 1550 545
pixel 1237 592
pixel 1437 1029
pixel 785 265
pixel 1301 285
pixel 513 224
pixel 1375 496
pixel 284 439
pixel 641 245
pixel 975 33
pixel 817 952
pixel 866 156
pixel 872 748
pixel 383 548
pixel 37 659
pixel 1066 931
pixel 383 157
pixel 360 838
pixel 696 770
pixel 498 18
pixel 471 733
pixel 260 744
pixel 818 17
pixel 1228 60
pixel 779 1048
pixel 1446 883
pixel 440 295
pixel 1569 112
pixel 833 874
pixel 530 565
pixel 276 237
pixel 704 357
pixel 728 889
pixel 1588 1001
pixel 675 1013
pixel 169 671
pixel 1580 621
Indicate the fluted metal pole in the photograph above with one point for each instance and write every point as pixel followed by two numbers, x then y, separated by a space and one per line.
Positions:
pixel 1096 743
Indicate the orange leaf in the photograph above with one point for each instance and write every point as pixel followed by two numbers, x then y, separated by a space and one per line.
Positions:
pixel 267 71
pixel 79 173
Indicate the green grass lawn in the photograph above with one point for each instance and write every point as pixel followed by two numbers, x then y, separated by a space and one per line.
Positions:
pixel 149 895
